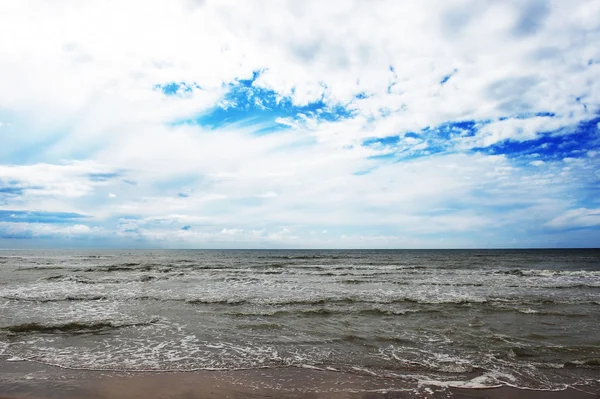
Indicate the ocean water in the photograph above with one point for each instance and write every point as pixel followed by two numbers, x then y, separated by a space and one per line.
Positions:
pixel 525 318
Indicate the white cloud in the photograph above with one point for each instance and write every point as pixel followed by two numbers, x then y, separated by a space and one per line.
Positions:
pixel 580 217
pixel 106 80
pixel 47 230
pixel 71 179
pixel 517 130
pixel 268 194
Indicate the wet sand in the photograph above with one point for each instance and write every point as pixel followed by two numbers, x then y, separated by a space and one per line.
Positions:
pixel 31 380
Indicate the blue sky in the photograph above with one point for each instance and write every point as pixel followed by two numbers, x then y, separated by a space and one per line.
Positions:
pixel 224 124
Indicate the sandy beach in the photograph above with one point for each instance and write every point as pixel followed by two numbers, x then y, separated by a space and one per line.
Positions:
pixel 31 380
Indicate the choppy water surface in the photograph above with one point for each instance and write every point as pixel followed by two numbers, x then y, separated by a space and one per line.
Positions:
pixel 474 318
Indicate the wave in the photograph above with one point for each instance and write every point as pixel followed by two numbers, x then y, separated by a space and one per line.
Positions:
pixel 510 303
pixel 330 311
pixel 585 363
pixel 548 272
pixel 299 257
pixel 217 301
pixel 266 266
pixel 71 327
pixel 453 284
pixel 318 312
pixel 308 301
pixel 84 298
pixel 391 312
pixel 568 313
pixel 128 267
pixel 45 268
pixel 520 352
pixel 60 299
pixel 85 280
pixel 562 287
pixel 262 326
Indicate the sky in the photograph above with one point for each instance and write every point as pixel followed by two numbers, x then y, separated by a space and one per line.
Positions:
pixel 299 124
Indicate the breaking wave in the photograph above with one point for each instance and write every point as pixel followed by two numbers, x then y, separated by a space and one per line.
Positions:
pixel 71 327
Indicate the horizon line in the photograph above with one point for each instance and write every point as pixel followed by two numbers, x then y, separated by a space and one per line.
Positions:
pixel 298 249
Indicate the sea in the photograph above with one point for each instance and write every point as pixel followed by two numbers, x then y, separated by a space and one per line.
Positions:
pixel 465 318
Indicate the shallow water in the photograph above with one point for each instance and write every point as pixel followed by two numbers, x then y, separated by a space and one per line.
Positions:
pixel 472 318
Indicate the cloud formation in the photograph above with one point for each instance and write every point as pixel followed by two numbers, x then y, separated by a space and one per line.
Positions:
pixel 300 124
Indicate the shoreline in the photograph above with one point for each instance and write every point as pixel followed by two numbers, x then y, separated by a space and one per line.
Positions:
pixel 38 381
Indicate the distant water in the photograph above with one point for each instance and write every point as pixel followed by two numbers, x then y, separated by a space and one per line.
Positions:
pixel 526 318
